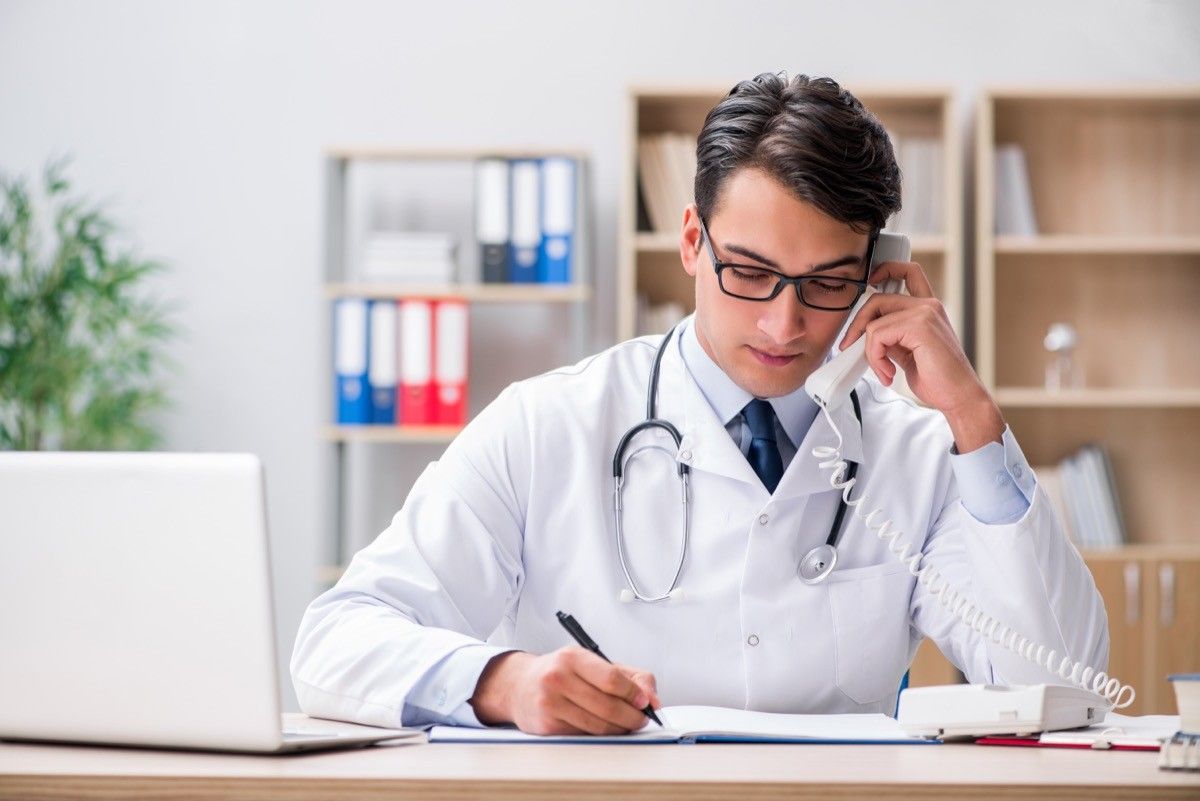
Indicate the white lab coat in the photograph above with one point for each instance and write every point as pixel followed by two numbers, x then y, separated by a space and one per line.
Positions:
pixel 516 522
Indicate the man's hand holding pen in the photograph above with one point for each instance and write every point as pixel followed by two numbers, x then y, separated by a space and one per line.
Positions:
pixel 568 691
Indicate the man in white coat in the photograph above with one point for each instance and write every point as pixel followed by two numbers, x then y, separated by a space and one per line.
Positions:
pixel 449 616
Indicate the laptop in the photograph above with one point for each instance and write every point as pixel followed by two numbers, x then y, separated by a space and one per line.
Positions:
pixel 135 605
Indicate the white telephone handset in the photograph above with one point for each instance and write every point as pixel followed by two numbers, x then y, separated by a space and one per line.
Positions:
pixel 830 386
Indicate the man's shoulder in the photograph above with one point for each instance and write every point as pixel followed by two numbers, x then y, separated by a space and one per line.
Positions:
pixel 630 358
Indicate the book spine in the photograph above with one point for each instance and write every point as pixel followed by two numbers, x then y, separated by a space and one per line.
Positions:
pixel 558 220
pixel 492 190
pixel 381 374
pixel 350 362
pixel 450 362
pixel 526 231
pixel 416 369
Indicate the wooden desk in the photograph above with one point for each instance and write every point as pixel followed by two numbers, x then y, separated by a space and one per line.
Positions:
pixel 691 772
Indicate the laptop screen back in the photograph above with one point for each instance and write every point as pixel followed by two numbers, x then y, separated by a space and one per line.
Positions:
pixel 135 600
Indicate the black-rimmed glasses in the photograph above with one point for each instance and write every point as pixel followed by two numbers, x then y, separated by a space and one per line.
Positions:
pixel 824 293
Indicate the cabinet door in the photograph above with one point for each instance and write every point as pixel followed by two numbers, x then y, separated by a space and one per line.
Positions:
pixel 930 669
pixel 1122 585
pixel 1174 617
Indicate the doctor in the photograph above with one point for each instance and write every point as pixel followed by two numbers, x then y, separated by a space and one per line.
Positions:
pixel 449 616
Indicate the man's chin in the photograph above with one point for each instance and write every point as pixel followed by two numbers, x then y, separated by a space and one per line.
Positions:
pixel 772 386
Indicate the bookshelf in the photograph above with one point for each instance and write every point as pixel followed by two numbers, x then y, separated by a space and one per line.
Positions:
pixel 1114 176
pixel 440 197
pixel 649 263
pixel 1115 180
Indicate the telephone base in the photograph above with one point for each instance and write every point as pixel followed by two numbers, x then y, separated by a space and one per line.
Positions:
pixel 979 710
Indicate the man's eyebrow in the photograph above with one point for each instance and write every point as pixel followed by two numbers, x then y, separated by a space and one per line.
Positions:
pixel 829 265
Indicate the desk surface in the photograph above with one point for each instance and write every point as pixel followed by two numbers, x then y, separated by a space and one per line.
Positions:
pixel 693 772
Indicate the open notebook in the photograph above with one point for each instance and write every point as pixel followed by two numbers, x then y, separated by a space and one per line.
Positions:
pixel 697 724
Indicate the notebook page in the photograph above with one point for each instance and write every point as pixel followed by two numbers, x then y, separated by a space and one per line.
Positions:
pixel 698 720
pixel 496 734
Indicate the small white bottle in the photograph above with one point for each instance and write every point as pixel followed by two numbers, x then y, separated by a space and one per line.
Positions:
pixel 1062 370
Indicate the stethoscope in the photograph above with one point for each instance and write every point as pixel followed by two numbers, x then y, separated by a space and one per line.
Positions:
pixel 814 568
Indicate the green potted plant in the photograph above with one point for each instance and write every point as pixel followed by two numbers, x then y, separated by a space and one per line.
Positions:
pixel 81 339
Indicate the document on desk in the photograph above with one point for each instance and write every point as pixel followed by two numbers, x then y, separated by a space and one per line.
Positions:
pixel 1116 731
pixel 710 724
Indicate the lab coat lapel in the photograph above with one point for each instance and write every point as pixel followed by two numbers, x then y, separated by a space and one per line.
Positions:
pixel 805 476
pixel 706 444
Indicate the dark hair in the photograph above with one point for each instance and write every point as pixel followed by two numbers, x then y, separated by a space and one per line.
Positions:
pixel 812 136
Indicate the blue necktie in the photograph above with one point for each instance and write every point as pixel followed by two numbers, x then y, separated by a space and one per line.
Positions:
pixel 764 451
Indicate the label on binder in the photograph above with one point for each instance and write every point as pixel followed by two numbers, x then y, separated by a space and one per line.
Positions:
pixel 416 369
pixel 450 362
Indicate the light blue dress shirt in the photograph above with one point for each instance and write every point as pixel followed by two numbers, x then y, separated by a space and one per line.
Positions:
pixel 995 484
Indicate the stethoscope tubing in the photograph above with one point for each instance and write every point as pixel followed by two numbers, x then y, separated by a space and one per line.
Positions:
pixel 618 467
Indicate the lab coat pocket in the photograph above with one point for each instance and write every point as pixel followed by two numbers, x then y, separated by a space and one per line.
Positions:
pixel 869 606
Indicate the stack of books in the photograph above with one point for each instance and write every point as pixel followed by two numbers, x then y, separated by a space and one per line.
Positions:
pixel 525 219
pixel 410 257
pixel 923 178
pixel 1014 198
pixel 657 318
pixel 1084 494
pixel 401 363
pixel 1182 751
pixel 666 178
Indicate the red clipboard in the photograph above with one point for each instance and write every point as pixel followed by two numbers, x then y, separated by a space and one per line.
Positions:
pixel 1033 742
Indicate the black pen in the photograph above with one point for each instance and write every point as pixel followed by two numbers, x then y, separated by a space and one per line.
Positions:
pixel 580 636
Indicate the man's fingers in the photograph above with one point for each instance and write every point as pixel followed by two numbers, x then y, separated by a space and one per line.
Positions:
pixel 584 721
pixel 876 353
pixel 876 306
pixel 609 708
pixel 915 280
pixel 644 680
pixel 609 679
pixel 902 357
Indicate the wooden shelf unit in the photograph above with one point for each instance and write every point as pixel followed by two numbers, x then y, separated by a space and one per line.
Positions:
pixel 391 433
pixel 1115 180
pixel 473 293
pixel 339 281
pixel 649 262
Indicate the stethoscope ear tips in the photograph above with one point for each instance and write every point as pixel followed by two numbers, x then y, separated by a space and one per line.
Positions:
pixel 626 596
pixel 676 594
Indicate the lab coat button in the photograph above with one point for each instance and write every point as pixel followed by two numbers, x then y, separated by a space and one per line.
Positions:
pixel 441 697
pixel 752 640
pixel 685 456
pixel 763 520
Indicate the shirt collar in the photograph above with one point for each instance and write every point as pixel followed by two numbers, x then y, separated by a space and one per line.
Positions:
pixel 796 410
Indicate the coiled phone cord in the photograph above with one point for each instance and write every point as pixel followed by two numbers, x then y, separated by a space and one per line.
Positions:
pixel 1073 672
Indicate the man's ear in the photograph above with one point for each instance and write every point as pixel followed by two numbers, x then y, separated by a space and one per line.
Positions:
pixel 689 239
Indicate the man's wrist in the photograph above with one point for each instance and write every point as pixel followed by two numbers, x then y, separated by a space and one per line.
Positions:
pixel 976 424
pixel 492 699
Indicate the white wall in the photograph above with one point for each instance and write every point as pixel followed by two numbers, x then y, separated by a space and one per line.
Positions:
pixel 204 122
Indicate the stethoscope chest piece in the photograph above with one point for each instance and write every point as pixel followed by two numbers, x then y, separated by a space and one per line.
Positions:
pixel 817 564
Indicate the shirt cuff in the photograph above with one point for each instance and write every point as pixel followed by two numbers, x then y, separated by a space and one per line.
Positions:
pixel 442 696
pixel 995 483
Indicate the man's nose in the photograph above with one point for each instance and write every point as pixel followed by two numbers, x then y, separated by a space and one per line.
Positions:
pixel 782 318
